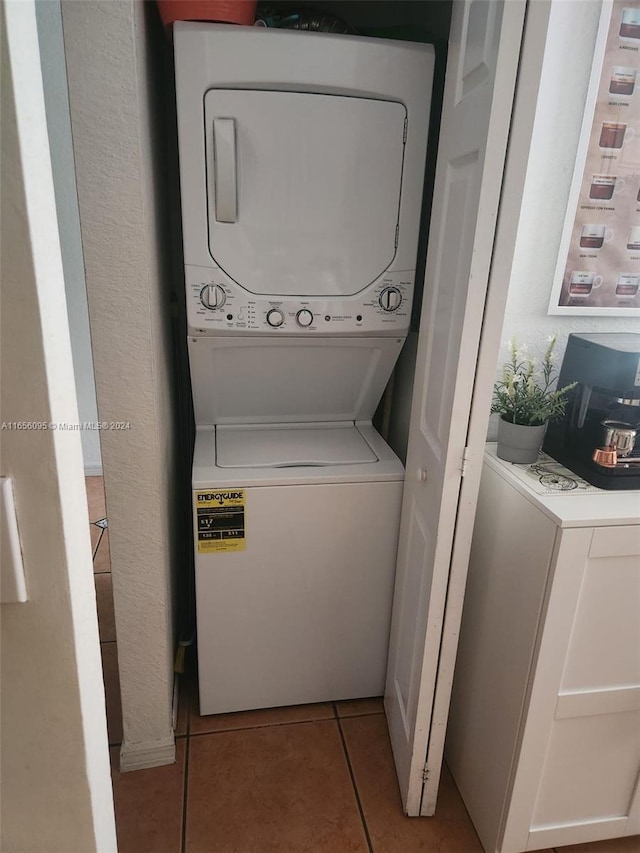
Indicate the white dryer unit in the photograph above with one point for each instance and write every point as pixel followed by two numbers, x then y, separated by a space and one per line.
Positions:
pixel 301 167
pixel 301 172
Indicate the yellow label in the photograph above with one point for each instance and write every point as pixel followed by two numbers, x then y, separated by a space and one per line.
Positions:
pixel 220 517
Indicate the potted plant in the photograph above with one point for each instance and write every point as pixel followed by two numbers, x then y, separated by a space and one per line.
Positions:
pixel 526 401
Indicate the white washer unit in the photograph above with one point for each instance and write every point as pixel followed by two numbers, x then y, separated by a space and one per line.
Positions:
pixel 302 165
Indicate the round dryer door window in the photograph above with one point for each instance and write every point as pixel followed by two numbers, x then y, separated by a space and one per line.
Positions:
pixel 303 189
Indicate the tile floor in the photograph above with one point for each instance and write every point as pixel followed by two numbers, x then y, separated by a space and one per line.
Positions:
pixel 104 599
pixel 306 779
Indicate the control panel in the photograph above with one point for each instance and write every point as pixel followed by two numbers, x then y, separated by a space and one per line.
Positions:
pixel 216 304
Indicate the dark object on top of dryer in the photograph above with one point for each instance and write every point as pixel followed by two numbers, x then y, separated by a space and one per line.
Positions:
pixel 312 20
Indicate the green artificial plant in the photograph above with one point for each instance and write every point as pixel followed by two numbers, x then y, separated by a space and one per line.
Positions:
pixel 525 394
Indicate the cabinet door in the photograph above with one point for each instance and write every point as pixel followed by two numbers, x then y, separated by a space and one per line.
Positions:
pixel 579 769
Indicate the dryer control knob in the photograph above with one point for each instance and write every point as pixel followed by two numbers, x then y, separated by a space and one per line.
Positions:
pixel 304 317
pixel 390 299
pixel 213 296
pixel 275 318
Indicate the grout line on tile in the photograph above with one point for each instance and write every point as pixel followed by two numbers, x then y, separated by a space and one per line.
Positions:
pixel 263 726
pixel 359 716
pixel 355 787
pixel 95 550
pixel 183 833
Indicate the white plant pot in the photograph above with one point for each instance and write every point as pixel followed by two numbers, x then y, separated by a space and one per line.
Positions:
pixel 518 443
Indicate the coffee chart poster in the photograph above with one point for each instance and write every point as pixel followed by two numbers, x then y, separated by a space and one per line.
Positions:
pixel 599 261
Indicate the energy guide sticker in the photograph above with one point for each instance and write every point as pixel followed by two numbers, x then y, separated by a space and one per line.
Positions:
pixel 220 521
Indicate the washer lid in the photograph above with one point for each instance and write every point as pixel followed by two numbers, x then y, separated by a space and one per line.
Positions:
pixel 303 189
pixel 291 446
pixel 268 380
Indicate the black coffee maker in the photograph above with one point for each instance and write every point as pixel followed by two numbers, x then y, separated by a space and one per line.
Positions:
pixel 599 436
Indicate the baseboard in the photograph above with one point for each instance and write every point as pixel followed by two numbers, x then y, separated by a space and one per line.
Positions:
pixel 143 755
pixel 93 470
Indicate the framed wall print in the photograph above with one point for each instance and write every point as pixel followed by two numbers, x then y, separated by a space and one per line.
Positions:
pixel 598 270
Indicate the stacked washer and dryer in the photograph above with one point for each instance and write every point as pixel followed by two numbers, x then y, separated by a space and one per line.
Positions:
pixel 301 166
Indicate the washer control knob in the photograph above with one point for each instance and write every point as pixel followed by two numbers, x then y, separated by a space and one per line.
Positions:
pixel 304 317
pixel 213 296
pixel 390 299
pixel 275 318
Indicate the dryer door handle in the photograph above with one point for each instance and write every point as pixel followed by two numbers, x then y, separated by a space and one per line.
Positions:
pixel 224 169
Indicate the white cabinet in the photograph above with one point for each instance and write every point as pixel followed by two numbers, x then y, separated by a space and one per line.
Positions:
pixel 544 729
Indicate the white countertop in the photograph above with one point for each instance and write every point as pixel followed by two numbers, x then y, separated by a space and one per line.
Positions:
pixel 582 506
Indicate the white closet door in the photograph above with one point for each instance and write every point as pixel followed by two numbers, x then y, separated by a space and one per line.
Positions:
pixel 481 73
pixel 304 189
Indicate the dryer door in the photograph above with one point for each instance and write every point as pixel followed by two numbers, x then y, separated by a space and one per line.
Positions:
pixel 303 189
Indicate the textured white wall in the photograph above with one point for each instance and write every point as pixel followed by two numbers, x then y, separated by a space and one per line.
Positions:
pixel 110 94
pixel 54 78
pixel 565 79
pixel 56 783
